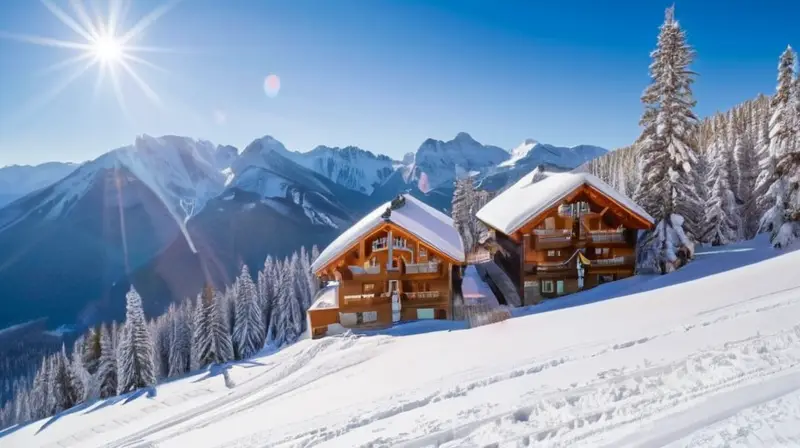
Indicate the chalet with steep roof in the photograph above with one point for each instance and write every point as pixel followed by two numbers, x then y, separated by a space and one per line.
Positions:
pixel 559 233
pixel 398 263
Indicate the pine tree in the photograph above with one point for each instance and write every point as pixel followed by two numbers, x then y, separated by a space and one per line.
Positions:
pixel 39 389
pixel 721 206
pixel 288 318
pixel 313 284
pixel 266 297
pixel 65 394
pixel 135 363
pixel 746 166
pixel 79 375
pixel 667 156
pixel 105 382
pixel 181 340
pixel 782 219
pixel 91 352
pixel 211 340
pixel 249 329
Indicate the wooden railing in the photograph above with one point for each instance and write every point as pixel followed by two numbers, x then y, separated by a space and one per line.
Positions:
pixel 368 270
pixel 358 297
pixel 423 295
pixel 615 261
pixel 551 238
pixel 422 268
pixel 606 236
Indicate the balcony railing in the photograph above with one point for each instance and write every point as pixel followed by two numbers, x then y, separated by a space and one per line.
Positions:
pixel 366 270
pixel 606 236
pixel 366 299
pixel 422 268
pixel 551 238
pixel 615 261
pixel 422 295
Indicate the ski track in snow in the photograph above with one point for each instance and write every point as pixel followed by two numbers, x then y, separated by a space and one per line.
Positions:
pixel 720 373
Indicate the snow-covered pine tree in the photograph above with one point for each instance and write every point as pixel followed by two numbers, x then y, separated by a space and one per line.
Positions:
pixel 248 332
pixel 266 298
pixel 180 349
pixel 22 405
pixel 38 395
pixel 313 283
pixel 211 340
pixel 746 167
pixel 667 156
pixel 105 379
pixel 65 395
pixel 91 352
pixel 288 317
pixel 720 226
pixel 79 375
pixel 161 333
pixel 135 363
pixel 782 220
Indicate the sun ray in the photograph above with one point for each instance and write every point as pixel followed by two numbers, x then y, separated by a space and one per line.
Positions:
pixel 101 76
pixel 147 20
pixel 118 91
pixel 48 96
pixel 145 62
pixel 66 63
pixel 146 49
pixel 66 19
pixel 45 41
pixel 83 16
pixel 118 10
pixel 141 83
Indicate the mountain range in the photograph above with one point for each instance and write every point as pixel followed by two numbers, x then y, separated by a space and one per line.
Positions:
pixel 168 214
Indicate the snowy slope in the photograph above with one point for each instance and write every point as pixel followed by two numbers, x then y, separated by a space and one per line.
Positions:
pixel 18 180
pixel 700 358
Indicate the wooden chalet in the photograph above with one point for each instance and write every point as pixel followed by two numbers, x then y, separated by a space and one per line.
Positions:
pixel 398 263
pixel 559 233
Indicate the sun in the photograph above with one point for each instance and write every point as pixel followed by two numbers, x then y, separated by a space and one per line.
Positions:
pixel 107 49
pixel 102 43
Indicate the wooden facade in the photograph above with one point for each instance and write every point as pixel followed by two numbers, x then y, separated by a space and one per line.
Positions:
pixel 584 240
pixel 387 276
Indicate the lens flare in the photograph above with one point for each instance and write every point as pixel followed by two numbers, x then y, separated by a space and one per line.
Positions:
pixel 272 85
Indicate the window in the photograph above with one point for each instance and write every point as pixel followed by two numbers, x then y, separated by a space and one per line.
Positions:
pixel 369 316
pixel 553 253
pixel 423 252
pixel 373 261
pixel 560 287
pixel 604 279
pixel 550 223
pixel 425 313
pixel 348 319
pixel 369 287
pixel 601 251
pixel 547 286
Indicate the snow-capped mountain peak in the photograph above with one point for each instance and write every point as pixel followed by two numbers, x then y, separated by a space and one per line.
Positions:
pixel 520 151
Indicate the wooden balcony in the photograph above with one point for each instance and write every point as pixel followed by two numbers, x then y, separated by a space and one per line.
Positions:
pixel 366 299
pixel 550 239
pixel 422 295
pixel 422 268
pixel 605 237
pixel 367 270
pixel 599 263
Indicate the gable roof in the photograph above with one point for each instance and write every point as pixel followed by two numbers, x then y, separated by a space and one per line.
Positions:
pixel 524 200
pixel 431 226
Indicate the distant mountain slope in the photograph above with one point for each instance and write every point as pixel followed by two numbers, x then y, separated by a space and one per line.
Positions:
pixel 170 213
pixel 18 180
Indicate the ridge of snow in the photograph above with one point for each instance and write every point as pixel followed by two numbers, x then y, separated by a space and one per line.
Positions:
pixel 527 198
pixel 428 224
pixel 569 157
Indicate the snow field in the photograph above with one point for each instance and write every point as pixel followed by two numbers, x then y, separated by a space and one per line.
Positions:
pixel 713 361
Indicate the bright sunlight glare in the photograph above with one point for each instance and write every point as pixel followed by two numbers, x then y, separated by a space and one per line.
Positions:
pixel 102 44
pixel 107 49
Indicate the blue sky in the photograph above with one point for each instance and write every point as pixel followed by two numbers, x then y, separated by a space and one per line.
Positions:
pixel 383 75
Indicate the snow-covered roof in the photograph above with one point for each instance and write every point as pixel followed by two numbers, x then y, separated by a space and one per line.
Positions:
pixel 431 226
pixel 326 298
pixel 524 200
